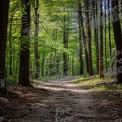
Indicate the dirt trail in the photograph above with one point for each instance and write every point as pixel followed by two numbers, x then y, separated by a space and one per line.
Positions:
pixel 70 97
pixel 59 101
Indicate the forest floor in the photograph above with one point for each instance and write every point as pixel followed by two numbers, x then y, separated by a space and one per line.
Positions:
pixel 60 101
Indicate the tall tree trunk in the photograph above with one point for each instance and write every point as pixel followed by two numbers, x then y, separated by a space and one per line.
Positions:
pixel 56 56
pixel 25 46
pixel 88 36
pixel 105 34
pixel 50 66
pixel 80 38
pixel 118 38
pixel 94 5
pixel 109 29
pixel 65 42
pixel 10 46
pixel 43 64
pixel 101 43
pixel 85 44
pixel 73 72
pixel 4 7
pixel 37 67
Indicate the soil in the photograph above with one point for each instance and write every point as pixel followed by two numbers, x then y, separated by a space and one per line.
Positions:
pixel 60 101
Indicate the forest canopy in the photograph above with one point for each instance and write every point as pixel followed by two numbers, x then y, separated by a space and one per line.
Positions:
pixel 49 39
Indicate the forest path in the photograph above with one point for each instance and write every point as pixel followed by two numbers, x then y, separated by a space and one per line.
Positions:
pixel 59 101
pixel 72 103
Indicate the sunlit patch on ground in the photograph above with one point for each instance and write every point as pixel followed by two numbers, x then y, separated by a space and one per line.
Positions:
pixel 60 100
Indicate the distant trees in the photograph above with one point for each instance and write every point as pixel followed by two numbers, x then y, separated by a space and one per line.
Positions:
pixel 4 7
pixel 69 36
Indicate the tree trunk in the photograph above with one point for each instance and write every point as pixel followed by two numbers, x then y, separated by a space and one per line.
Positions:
pixel 94 5
pixel 4 7
pixel 109 29
pixel 88 37
pixel 50 66
pixel 85 44
pixel 105 35
pixel 25 46
pixel 37 67
pixel 118 38
pixel 10 47
pixel 73 72
pixel 65 42
pixel 101 44
pixel 80 38
pixel 43 64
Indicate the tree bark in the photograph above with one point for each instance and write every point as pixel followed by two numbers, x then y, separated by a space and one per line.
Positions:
pixel 118 38
pixel 88 37
pixel 4 7
pixel 101 44
pixel 94 5
pixel 43 64
pixel 85 43
pixel 25 46
pixel 105 34
pixel 37 66
pixel 109 29
pixel 80 38
pixel 65 42
pixel 10 47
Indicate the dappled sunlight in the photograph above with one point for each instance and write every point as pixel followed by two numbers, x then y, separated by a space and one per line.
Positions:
pixel 47 98
pixel 63 89
pixel 63 85
pixel 60 60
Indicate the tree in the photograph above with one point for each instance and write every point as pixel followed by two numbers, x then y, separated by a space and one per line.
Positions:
pixel 109 28
pixel 84 42
pixel 95 17
pixel 37 67
pixel 4 7
pixel 10 46
pixel 118 38
pixel 101 43
pixel 65 42
pixel 80 37
pixel 88 36
pixel 25 45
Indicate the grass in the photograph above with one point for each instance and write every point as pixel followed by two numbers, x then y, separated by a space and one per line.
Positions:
pixel 105 87
pixel 96 84
pixel 87 81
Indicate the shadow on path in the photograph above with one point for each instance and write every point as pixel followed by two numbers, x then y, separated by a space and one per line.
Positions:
pixel 58 101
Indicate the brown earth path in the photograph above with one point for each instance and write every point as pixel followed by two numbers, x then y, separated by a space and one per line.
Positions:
pixel 59 101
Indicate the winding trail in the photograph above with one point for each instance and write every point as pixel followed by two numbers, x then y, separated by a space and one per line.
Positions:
pixel 70 97
pixel 59 101
pixel 72 103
